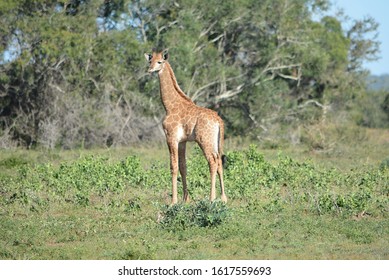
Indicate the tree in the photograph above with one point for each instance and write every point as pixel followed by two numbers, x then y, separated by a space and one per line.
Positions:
pixel 72 72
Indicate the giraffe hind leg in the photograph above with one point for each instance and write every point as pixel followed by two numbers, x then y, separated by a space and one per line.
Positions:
pixel 213 170
pixel 210 146
pixel 220 174
pixel 211 157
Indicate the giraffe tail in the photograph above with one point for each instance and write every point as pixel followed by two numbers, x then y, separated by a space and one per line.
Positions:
pixel 222 157
pixel 224 161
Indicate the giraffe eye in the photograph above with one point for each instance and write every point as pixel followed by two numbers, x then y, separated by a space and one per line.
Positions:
pixel 159 62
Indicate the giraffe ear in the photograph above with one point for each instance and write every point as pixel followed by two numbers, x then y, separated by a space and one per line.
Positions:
pixel 148 57
pixel 165 54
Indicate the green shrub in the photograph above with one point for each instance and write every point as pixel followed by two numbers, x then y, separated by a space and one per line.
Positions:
pixel 249 179
pixel 76 181
pixel 203 214
pixel 12 162
pixel 385 163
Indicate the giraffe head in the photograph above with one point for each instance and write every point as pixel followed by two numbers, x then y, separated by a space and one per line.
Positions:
pixel 156 60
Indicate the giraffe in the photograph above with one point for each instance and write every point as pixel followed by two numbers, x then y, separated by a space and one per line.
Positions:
pixel 185 121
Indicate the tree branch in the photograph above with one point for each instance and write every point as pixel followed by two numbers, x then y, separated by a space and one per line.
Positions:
pixel 314 102
pixel 230 93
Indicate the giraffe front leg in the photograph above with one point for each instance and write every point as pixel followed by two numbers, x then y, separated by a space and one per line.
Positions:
pixel 182 166
pixel 173 149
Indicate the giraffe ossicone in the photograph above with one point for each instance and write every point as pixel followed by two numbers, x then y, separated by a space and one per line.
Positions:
pixel 185 121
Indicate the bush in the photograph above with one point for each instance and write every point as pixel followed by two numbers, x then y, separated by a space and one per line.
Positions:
pixel 249 179
pixel 77 181
pixel 203 214
pixel 384 164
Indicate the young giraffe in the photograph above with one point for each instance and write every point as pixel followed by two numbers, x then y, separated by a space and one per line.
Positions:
pixel 184 122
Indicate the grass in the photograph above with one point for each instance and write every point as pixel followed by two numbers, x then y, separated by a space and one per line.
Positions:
pixel 99 234
pixel 289 203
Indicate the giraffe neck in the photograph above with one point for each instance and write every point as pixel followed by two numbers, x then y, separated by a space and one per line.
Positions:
pixel 171 94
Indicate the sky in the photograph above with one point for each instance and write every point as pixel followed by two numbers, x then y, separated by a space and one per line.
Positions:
pixel 378 9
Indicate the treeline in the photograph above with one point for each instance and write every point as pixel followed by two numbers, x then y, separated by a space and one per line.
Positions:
pixel 72 73
pixel 379 82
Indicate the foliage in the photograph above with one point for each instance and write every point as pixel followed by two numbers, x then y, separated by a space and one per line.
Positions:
pixel 75 182
pixel 248 177
pixel 72 74
pixel 203 214
pixel 374 110
pixel 385 163
pixel 95 207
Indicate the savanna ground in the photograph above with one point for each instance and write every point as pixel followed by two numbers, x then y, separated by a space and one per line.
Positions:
pixel 285 202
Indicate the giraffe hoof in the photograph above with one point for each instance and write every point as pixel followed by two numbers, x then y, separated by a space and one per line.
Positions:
pixel 173 202
pixel 186 199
